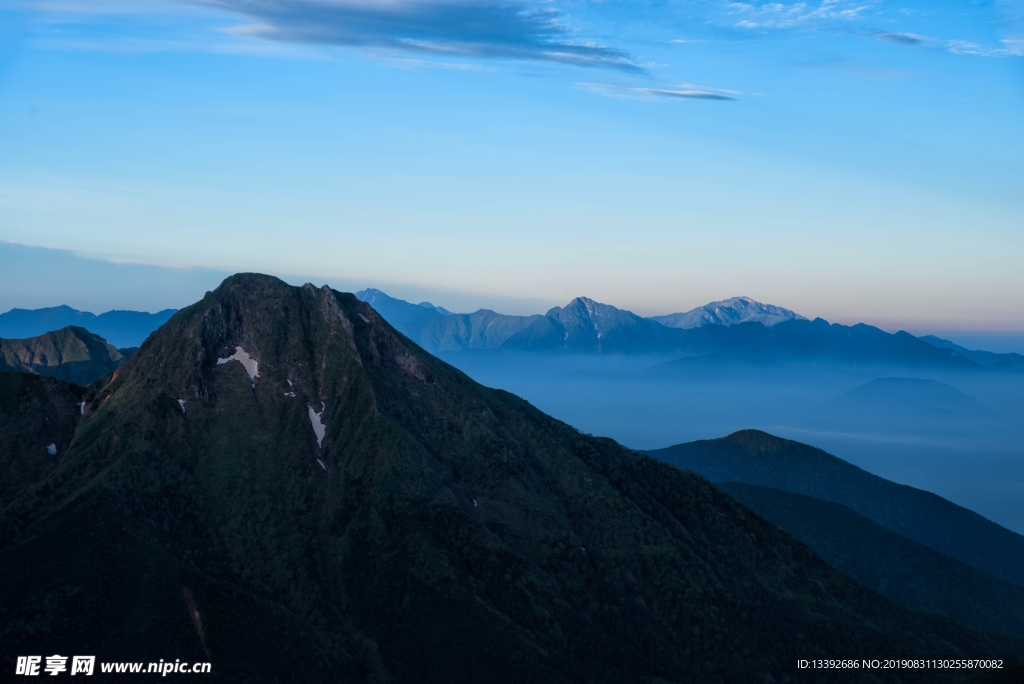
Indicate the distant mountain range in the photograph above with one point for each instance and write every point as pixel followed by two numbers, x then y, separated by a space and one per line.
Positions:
pixel 343 497
pixel 119 328
pixel 738 329
pixel 733 330
pixel 583 325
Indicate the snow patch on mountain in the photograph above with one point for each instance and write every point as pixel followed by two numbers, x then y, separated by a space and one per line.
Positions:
pixel 319 429
pixel 250 364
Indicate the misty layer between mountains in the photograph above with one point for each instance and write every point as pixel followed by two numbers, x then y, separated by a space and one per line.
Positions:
pixel 958 434
pixel 920 411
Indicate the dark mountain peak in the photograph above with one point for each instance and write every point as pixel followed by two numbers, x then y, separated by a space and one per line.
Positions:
pixel 757 441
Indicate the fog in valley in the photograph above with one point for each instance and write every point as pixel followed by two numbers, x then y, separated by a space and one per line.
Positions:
pixel 959 434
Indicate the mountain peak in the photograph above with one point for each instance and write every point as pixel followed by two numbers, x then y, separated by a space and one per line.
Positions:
pixel 755 440
pixel 585 307
pixel 732 311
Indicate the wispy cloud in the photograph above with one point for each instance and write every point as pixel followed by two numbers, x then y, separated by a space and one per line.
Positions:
pixel 1006 48
pixel 408 63
pixel 684 92
pixel 778 15
pixel 516 29
pixel 901 38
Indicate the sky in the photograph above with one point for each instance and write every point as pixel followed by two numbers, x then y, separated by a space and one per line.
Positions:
pixel 858 161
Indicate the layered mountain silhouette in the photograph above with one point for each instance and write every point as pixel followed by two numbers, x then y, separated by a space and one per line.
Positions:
pixel 907 572
pixel 73 354
pixel 1009 361
pixel 734 330
pixel 281 484
pixel 907 403
pixel 755 457
pixel 741 331
pixel 120 328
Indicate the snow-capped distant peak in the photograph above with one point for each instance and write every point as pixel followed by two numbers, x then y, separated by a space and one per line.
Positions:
pixel 732 311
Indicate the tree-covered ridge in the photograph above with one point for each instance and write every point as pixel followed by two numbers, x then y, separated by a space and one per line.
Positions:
pixel 756 457
pixel 72 354
pixel 909 573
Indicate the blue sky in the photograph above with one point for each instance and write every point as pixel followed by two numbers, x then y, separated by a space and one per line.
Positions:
pixel 860 161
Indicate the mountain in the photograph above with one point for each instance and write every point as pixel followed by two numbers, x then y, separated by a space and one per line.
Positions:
pixel 817 341
pixel 1013 362
pixel 281 484
pixel 404 316
pixel 481 330
pixel 38 417
pixel 586 326
pixel 73 354
pixel 120 328
pixel 907 401
pixel 893 565
pixel 755 457
pixel 438 330
pixel 729 312
pixel 439 309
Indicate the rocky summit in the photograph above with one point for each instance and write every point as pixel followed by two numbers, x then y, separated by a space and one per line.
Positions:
pixel 279 483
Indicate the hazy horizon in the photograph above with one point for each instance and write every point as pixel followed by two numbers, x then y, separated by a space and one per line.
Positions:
pixel 850 161
pixel 144 287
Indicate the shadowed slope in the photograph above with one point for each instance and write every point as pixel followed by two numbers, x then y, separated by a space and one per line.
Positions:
pixel 907 572
pixel 443 532
pixel 758 458
pixel 38 416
